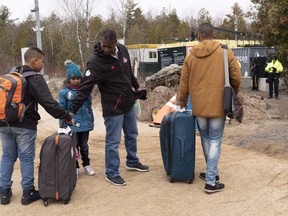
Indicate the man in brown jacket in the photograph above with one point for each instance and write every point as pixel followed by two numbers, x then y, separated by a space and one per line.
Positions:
pixel 203 78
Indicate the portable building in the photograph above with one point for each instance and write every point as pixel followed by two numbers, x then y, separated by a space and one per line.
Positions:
pixel 144 56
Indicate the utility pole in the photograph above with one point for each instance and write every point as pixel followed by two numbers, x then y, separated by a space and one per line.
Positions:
pixel 235 19
pixel 37 29
pixel 236 29
pixel 125 22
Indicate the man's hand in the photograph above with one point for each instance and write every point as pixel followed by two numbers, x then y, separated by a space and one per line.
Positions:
pixel 140 94
pixel 66 122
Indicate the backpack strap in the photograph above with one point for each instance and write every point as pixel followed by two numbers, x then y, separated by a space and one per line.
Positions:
pixel 25 74
pixel 226 67
pixel 227 82
pixel 13 69
pixel 224 46
pixel 20 70
pixel 29 73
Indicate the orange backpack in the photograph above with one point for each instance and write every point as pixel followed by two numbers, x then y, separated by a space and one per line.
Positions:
pixel 12 91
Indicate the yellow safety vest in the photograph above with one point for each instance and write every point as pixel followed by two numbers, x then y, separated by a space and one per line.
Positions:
pixel 274 64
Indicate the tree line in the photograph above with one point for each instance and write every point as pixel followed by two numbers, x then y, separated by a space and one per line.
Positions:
pixel 74 36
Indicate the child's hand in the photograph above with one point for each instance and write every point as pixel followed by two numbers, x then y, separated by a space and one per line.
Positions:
pixel 72 120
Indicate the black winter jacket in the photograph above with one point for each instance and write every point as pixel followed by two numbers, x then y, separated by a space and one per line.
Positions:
pixel 114 78
pixel 38 92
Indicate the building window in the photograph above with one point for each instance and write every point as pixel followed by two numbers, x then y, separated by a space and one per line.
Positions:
pixel 152 55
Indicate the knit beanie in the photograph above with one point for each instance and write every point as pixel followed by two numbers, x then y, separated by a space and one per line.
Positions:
pixel 72 70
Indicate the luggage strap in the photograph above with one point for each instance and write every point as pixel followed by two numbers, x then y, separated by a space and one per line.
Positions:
pixel 57 139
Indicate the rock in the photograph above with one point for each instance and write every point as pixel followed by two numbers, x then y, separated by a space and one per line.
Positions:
pixel 168 76
pixel 55 84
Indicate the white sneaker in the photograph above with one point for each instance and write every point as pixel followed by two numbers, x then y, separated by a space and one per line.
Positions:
pixel 77 172
pixel 89 170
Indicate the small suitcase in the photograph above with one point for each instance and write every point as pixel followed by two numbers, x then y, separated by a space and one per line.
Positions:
pixel 57 170
pixel 177 141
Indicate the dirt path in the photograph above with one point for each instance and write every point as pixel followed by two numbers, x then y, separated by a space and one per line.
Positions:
pixel 255 183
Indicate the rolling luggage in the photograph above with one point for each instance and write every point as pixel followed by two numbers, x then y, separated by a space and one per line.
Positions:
pixel 177 141
pixel 57 170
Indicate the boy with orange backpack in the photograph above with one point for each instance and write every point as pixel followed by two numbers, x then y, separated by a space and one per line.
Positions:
pixel 18 137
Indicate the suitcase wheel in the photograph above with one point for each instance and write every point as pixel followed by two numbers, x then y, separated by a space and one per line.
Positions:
pixel 66 201
pixel 172 180
pixel 189 181
pixel 45 201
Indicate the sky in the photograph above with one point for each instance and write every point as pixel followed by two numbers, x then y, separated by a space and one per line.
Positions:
pixel 218 8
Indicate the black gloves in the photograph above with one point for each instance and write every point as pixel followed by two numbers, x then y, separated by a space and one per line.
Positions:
pixel 142 95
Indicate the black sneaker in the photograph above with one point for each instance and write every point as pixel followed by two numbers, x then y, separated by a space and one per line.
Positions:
pixel 203 175
pixel 5 195
pixel 30 196
pixel 118 181
pixel 270 97
pixel 139 167
pixel 213 189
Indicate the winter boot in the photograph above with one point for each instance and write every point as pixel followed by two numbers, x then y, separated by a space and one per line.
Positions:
pixel 5 195
pixel 30 196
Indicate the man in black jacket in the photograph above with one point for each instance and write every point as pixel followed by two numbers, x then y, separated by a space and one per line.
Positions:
pixel 110 69
pixel 18 138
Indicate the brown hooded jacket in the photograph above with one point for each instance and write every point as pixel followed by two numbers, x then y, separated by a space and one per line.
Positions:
pixel 203 78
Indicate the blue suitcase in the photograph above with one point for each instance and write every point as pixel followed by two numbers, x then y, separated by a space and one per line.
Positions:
pixel 177 141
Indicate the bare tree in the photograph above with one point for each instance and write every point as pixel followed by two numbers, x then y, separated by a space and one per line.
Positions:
pixel 80 12
pixel 126 15
pixel 203 16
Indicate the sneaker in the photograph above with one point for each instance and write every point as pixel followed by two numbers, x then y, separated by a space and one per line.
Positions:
pixel 118 181
pixel 277 97
pixel 203 175
pixel 77 172
pixel 30 196
pixel 5 195
pixel 213 189
pixel 89 170
pixel 269 97
pixel 139 167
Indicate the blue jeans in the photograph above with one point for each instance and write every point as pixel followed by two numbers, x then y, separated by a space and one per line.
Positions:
pixel 17 142
pixel 211 132
pixel 114 126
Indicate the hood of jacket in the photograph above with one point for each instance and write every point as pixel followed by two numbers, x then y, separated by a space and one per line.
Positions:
pixel 205 48
pixel 98 50
pixel 99 54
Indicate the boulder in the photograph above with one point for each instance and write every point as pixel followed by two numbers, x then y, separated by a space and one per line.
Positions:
pixel 168 76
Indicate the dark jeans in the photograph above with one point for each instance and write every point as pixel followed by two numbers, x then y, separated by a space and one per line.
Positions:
pixel 82 147
pixel 273 80
pixel 255 82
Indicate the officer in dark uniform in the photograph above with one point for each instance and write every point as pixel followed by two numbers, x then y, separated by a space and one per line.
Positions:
pixel 254 73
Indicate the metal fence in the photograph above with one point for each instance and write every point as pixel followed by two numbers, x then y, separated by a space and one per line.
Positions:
pixel 246 54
